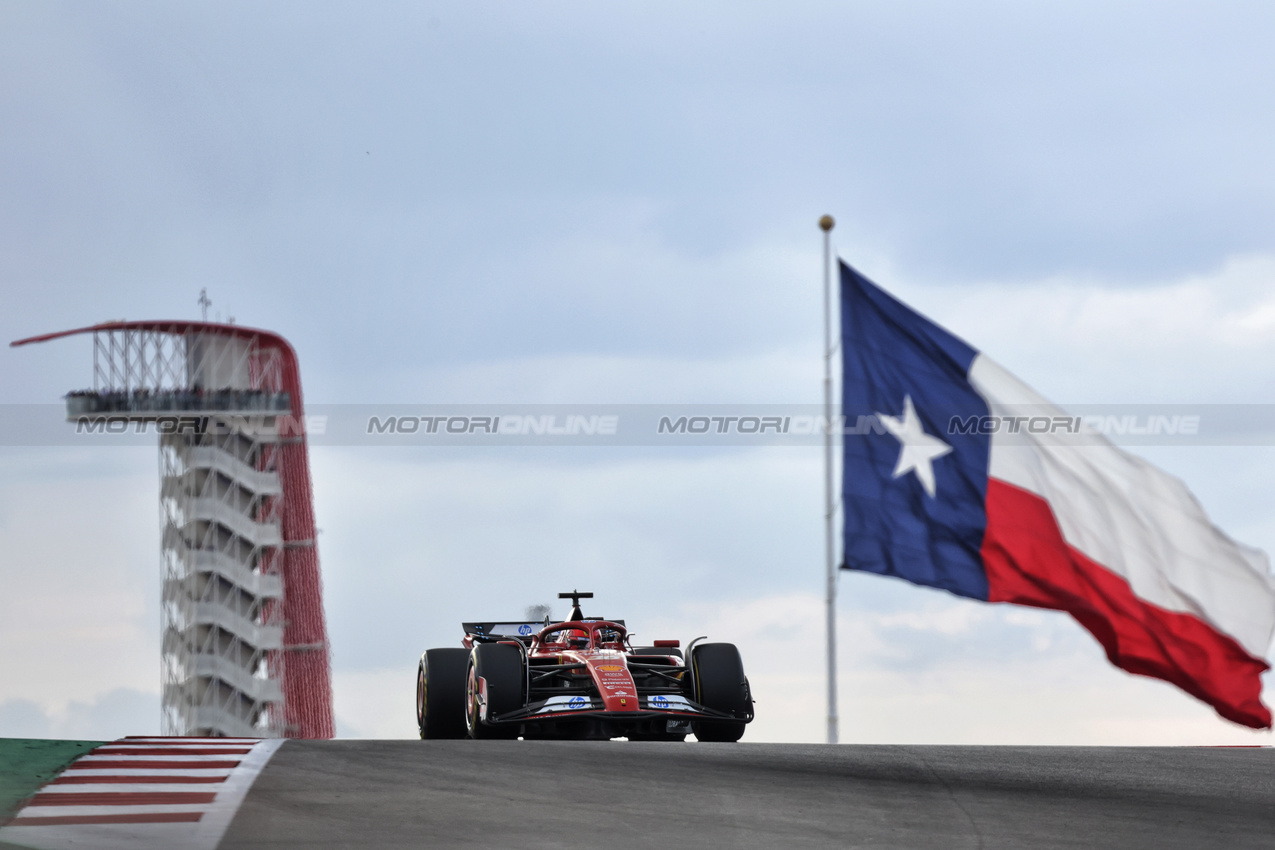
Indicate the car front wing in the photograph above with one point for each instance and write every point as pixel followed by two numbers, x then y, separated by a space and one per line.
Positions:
pixel 674 707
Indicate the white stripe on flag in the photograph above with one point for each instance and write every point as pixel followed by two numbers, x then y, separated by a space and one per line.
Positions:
pixel 1137 521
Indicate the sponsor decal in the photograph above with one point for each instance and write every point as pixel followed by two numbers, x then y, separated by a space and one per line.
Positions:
pixel 558 704
pixel 668 703
pixel 510 629
pixel 611 668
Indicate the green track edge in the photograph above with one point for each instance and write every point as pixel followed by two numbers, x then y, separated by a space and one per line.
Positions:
pixel 28 763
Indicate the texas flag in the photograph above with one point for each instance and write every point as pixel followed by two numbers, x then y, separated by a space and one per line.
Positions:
pixel 959 476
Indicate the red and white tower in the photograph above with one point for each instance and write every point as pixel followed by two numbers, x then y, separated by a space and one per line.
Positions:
pixel 245 649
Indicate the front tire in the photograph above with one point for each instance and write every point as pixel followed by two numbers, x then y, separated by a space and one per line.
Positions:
pixel 502 667
pixel 440 693
pixel 720 684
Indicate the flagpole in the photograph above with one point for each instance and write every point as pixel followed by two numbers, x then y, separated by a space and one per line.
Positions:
pixel 826 224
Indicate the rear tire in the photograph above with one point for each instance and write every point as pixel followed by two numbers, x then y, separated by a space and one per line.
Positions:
pixel 440 693
pixel 501 665
pixel 720 684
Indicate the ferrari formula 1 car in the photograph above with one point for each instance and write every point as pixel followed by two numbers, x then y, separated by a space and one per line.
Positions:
pixel 580 679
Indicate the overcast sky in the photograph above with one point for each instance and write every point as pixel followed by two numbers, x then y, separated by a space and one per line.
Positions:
pixel 563 202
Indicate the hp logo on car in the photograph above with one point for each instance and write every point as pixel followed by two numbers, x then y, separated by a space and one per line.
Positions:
pixel 659 701
pixel 576 702
pixel 524 629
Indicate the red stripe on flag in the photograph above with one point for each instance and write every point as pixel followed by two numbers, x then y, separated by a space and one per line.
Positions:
pixel 124 798
pixel 167 751
pixel 1029 563
pixel 143 764
pixel 125 780
pixel 140 817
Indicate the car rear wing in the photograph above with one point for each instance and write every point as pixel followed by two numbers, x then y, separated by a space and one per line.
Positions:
pixel 502 631
pixel 515 630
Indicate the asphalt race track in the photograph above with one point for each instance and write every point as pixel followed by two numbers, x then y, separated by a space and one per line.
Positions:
pixel 518 794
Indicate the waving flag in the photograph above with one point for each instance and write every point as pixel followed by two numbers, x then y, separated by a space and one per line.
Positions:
pixel 959 476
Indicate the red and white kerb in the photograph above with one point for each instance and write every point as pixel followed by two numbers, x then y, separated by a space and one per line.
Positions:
pixel 143 792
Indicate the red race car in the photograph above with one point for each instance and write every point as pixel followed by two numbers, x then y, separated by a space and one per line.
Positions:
pixel 580 679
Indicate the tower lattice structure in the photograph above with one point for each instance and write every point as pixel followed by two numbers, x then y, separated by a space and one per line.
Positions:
pixel 244 644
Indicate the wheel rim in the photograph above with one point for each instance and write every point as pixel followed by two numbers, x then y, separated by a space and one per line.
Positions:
pixel 471 702
pixel 420 698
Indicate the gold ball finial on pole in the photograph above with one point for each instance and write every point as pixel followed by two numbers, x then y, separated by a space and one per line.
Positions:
pixel 826 223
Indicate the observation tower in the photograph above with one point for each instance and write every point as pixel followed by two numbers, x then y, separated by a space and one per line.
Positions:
pixel 245 649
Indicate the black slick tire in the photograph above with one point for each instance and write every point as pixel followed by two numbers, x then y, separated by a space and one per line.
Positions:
pixel 440 693
pixel 720 685
pixel 501 666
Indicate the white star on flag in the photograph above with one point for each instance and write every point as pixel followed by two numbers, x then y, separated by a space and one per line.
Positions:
pixel 918 449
